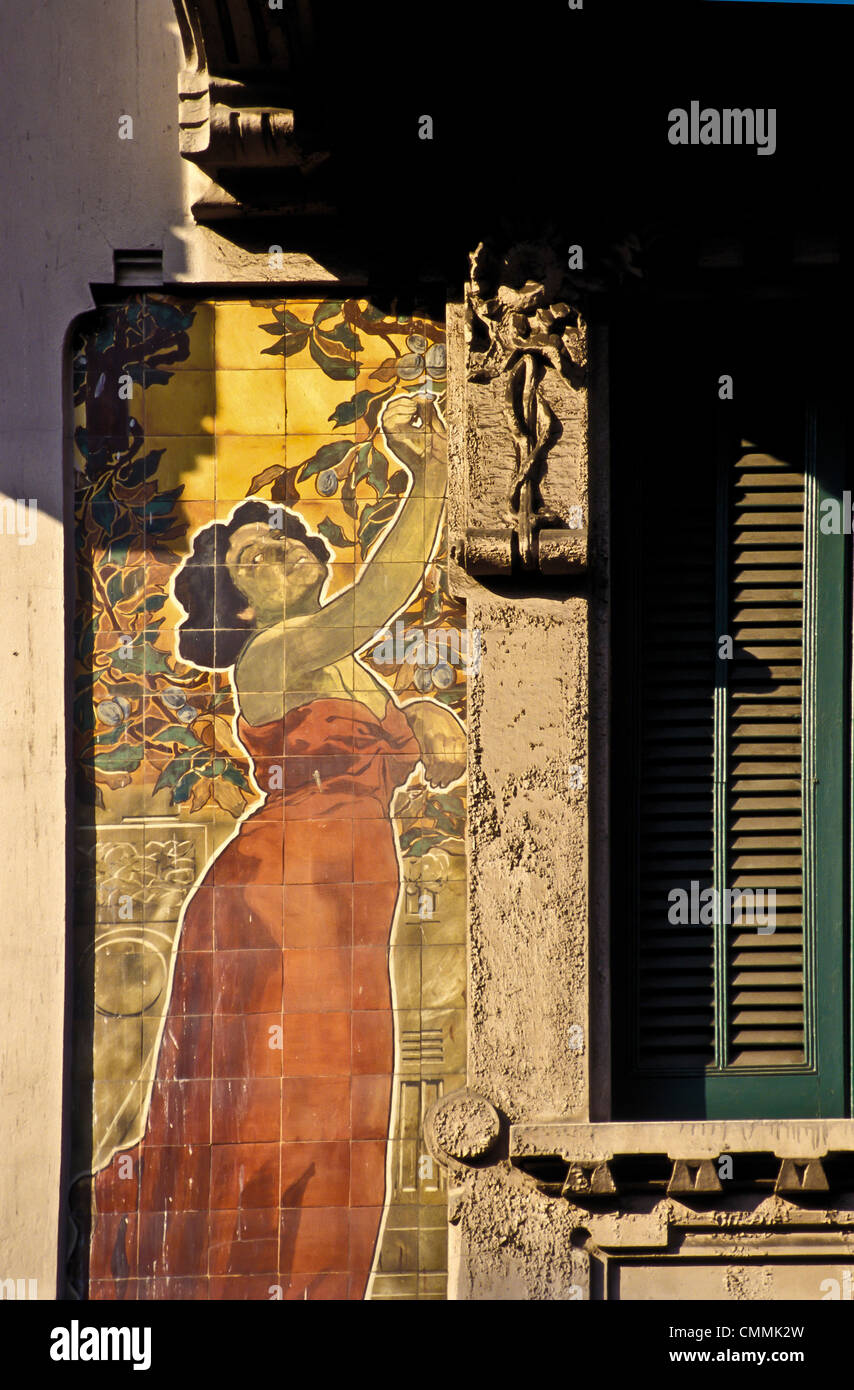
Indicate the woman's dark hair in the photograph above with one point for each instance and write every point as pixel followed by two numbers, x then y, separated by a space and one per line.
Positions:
pixel 212 634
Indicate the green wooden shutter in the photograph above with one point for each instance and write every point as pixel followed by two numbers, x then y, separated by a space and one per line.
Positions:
pixel 762 1001
pixel 729 774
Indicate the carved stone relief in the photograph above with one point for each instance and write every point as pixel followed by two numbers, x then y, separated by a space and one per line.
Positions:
pixel 523 441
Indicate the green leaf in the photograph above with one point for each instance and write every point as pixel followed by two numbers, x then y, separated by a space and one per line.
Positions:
pixel 334 367
pixel 147 466
pixel 177 733
pixel 296 334
pixel 348 497
pixel 171 774
pixel 118 553
pixel 267 475
pixel 133 581
pixel 372 413
pixel 233 774
pixel 414 843
pixel 154 602
pixel 349 411
pixel 295 331
pixel 374 519
pixel 115 587
pixel 156 662
pixel 124 759
pixel 332 532
pixel 183 788
pixel 398 482
pixel 454 696
pixel 107 740
pixel 378 474
pixel 168 315
pixel 327 310
pixel 444 821
pixel 363 462
pixel 342 333
pixel 327 456
pixel 163 502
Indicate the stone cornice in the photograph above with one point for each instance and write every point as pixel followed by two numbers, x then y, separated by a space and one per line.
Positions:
pixel 801 1160
pixel 241 61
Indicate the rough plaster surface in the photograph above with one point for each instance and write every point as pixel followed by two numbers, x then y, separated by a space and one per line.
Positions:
pixel 510 1243
pixel 528 856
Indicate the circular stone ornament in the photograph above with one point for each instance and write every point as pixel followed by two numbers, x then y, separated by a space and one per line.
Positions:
pixel 464 1125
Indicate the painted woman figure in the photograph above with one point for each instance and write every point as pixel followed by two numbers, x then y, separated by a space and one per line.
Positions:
pixel 262 1169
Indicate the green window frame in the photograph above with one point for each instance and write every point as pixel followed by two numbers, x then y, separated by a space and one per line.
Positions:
pixel 681 766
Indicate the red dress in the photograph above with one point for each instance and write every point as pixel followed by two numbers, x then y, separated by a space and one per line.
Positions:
pixel 262 1170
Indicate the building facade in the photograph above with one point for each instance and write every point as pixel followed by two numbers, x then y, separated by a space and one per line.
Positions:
pixel 427 679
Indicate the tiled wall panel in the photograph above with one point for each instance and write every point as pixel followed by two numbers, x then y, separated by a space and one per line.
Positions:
pixel 269 768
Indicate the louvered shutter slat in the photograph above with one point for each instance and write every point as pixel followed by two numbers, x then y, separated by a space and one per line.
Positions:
pixel 762 851
pixel 729 761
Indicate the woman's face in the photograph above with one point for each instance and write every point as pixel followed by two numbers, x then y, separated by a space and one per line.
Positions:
pixel 280 578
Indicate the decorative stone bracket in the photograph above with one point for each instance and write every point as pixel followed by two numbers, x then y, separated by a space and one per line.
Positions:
pixel 239 60
pixel 518 495
pixel 586 1181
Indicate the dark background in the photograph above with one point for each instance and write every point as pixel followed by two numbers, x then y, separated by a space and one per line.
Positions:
pixel 544 114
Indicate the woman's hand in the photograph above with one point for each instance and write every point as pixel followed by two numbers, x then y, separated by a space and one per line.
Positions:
pixel 414 431
pixel 442 739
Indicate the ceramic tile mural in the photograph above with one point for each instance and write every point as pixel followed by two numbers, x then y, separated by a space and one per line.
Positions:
pixel 269 706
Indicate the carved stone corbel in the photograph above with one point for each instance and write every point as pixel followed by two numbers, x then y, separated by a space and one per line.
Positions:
pixel 588 1180
pixel 699 1177
pixel 522 475
pixel 801 1177
pixel 238 64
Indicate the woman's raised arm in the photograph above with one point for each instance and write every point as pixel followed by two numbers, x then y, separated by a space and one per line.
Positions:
pixel 416 436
